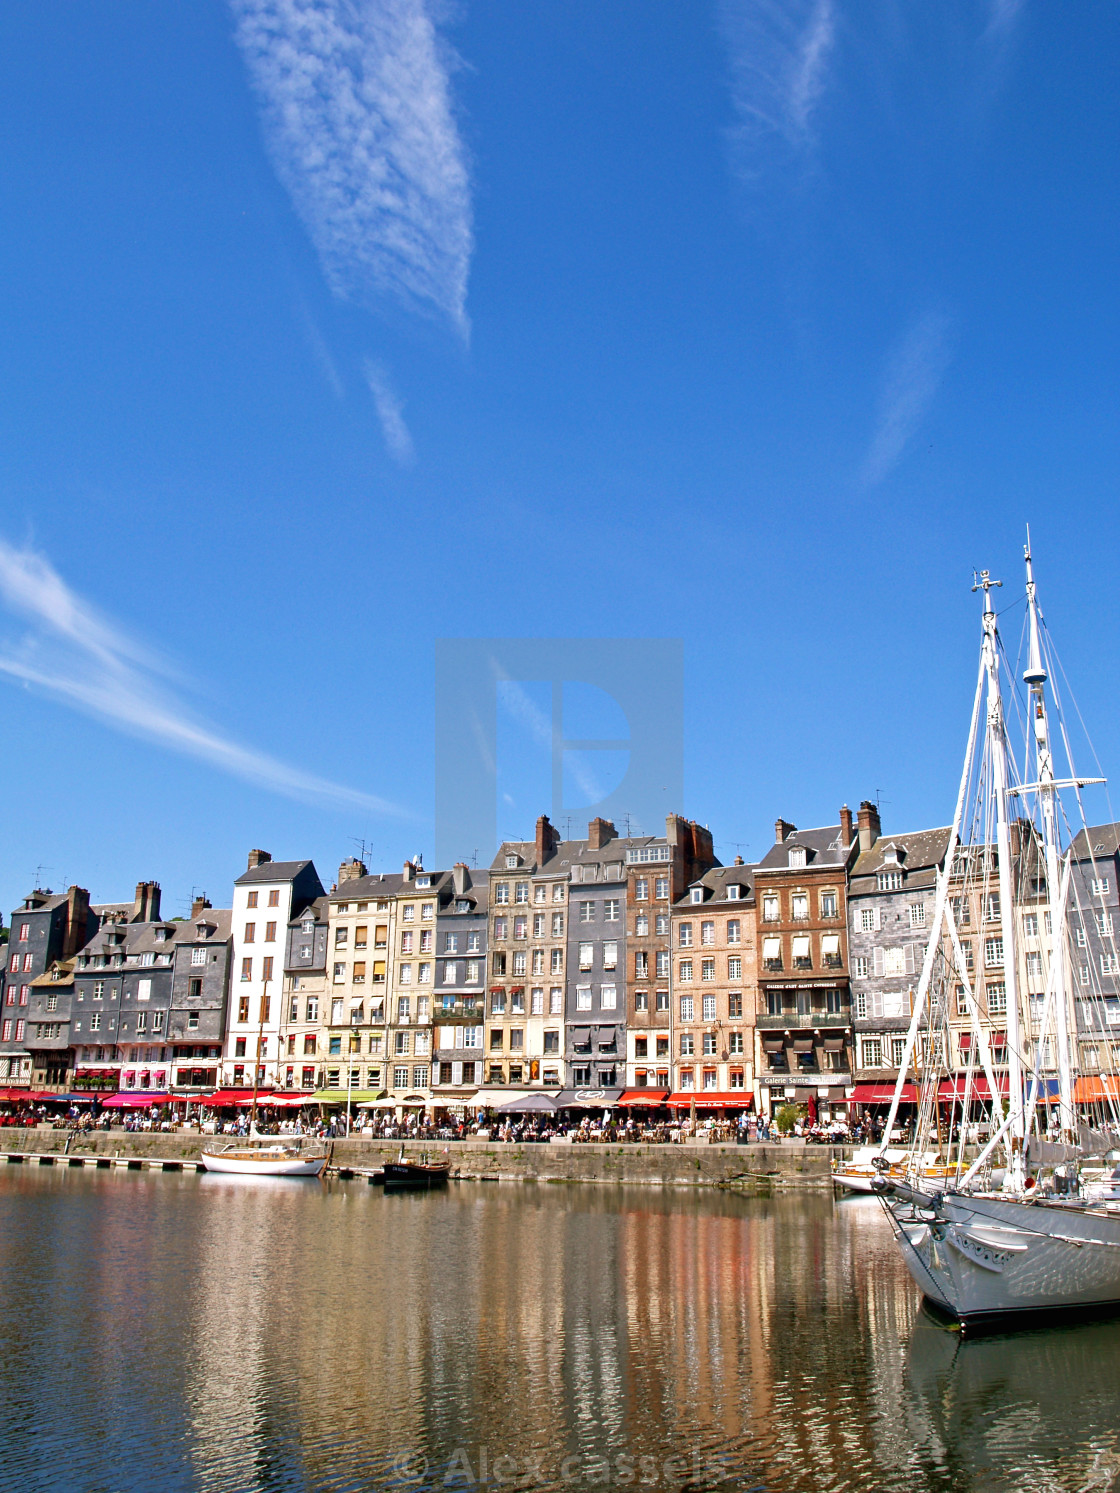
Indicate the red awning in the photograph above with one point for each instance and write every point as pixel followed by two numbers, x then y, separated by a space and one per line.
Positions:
pixel 882 1093
pixel 11 1095
pixel 133 1101
pixel 953 1088
pixel 638 1097
pixel 287 1099
pixel 710 1099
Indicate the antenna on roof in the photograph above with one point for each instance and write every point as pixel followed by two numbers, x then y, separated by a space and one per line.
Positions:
pixel 626 824
pixel 474 858
pixel 567 826
pixel 39 876
pixel 364 848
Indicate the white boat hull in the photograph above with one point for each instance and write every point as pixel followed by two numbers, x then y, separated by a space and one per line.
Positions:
pixel 263 1164
pixel 988 1258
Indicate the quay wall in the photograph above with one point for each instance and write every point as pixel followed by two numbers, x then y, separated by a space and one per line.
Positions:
pixel 692 1164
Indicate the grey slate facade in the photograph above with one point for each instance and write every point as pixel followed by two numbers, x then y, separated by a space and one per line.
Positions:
pixel 47 927
pixel 460 985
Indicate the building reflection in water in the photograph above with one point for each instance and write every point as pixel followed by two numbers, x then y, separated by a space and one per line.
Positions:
pixel 235 1333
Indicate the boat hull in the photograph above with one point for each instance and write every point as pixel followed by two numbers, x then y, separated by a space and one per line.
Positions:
pixel 245 1164
pixel 996 1261
pixel 402 1174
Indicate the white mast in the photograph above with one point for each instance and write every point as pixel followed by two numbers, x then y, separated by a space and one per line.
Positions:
pixel 997 742
pixel 1035 678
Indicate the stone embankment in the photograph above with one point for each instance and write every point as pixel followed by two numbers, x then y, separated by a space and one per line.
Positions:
pixel 753 1168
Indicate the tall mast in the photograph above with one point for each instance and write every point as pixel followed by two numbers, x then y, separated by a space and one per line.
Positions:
pixel 997 741
pixel 1035 678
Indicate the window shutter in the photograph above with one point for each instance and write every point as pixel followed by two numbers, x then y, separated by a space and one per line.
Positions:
pixel 911 958
pixel 879 961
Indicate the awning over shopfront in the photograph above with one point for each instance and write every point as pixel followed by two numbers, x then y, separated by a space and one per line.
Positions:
pixel 710 1099
pixel 587 1098
pixel 339 1096
pixel 266 1098
pixel 532 1104
pixel 11 1096
pixel 953 1088
pixel 134 1100
pixel 1094 1089
pixel 637 1098
pixel 882 1093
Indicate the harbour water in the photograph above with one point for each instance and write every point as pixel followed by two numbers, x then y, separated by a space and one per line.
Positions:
pixel 186 1332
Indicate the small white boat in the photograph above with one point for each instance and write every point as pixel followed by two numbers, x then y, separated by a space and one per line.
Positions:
pixel 263 1161
pixel 858 1173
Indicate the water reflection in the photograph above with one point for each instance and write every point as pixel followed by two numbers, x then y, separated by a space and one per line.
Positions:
pixel 205 1333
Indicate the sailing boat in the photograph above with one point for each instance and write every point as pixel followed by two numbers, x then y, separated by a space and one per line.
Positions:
pixel 1013 1233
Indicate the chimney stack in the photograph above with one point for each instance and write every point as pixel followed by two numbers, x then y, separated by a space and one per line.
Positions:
pixel 351 869
pixel 548 838
pixel 199 905
pixel 409 871
pixel 77 917
pixel 459 876
pixel 258 858
pixel 145 908
pixel 845 826
pixel 869 826
pixel 782 831
pixel 600 832
pixel 738 860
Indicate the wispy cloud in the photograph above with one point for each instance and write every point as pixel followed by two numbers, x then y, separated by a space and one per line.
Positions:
pixel 913 375
pixel 359 123
pixel 70 651
pixel 390 412
pixel 1002 16
pixel 778 53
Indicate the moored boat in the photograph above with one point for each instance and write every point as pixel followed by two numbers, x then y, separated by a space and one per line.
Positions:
pixel 416 1174
pixel 263 1161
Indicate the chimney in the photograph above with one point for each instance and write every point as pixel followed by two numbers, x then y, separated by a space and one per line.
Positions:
pixel 258 858
pixel 145 908
pixel 599 833
pixel 77 917
pixel 548 837
pixel 869 826
pixel 199 905
pixel 351 869
pixel 782 830
pixel 845 826
pixel 459 873
pixel 409 871
pixel 738 861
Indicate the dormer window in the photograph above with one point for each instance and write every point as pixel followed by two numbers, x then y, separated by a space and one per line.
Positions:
pixel 308 925
pixel 797 857
pixel 734 892
pixel 696 894
pixel 512 861
pixel 423 881
pixel 462 905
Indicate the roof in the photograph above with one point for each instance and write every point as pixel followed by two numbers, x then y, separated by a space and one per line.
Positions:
pixel 822 845
pixel 273 871
pixel 396 884
pixel 1097 839
pixel 920 851
pixel 716 881
pixel 318 908
pixel 571 853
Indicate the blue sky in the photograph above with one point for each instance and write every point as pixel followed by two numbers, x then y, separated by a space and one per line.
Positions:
pixel 332 329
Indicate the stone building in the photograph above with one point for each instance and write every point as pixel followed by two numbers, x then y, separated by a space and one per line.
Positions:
pixel 47 927
pixel 804 1013
pixel 302 1038
pixel 715 990
pixel 460 988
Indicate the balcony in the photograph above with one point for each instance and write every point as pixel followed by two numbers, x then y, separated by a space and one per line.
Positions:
pixel 470 1012
pixel 802 1020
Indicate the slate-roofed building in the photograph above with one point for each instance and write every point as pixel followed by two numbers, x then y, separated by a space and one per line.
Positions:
pixel 460 988
pixel 201 956
pixel 1093 919
pixel 47 927
pixel 716 989
pixel 303 1041
pixel 804 1014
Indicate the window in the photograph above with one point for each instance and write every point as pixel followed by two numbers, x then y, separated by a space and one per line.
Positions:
pixel 192 1021
pixel 734 967
pixel 556 962
pixel 696 894
pixel 735 1043
pixel 251 900
pixel 707 969
pixel 587 912
pixel 889 881
pixel 1034 964
pixel 997 999
pixel 274 899
pixel 402 1043
pixel 661 1001
pixel 894 962
pixel 708 1008
pixel 993 953
pixel 246 969
pixel 1104 924
pixel 250 932
pixel 536 1001
pixel 688 1045
pixel 797 856
pixel 771 911
pixel 868 920
pixel 583 997
pixel 733 891
pixel 991 908
pixel 898 1051
pixel 610 954
pixel 872 1048
pixel 735 1004
pixel 408 912
pixel 141 1022
pixel 556 1001
pixel 521 892
pixel 707 933
pixel 521 927
pixel 661 887
pixel 1080 937
pixel 684 935
pixel 558 892
pixel 270 933
pixel 608 997
pixel 27 962
pixel 1098 888
pixel 243 1008
pixel 641 965
pixel 917 914
pixel 339 975
pixel 799 907
pixel 266 968
pixel 828 904
pixel 686 970
pixel 1110 964
pixel 400 1078
pixel 860 966
pixel 688 1008
pixel 95 1022
pixel 517 1001
pixel 586 955
pixel 733 930
pixel 1030 924
pixel 143 990
pixel 708 1045
pixel 198 956
pixel 474 971
pixel 641 1000
pixel 661 962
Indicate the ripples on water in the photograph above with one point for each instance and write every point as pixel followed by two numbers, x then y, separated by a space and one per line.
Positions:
pixel 204 1333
